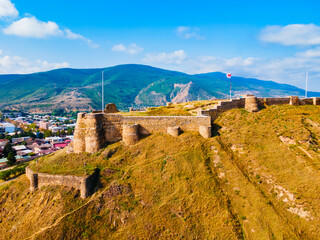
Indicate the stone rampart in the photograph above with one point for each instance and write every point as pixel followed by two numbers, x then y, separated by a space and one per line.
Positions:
pixel 307 101
pixel 94 130
pixel 222 106
pixel 154 124
pixel 249 103
pixel 85 184
pixel 274 101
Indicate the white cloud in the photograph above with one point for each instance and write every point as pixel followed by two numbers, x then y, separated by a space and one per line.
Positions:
pixel 311 53
pixel 0 51
pixel 289 70
pixel 16 64
pixel 293 34
pixel 7 9
pixel 75 36
pixel 71 35
pixel 175 57
pixel 188 32
pixel 118 48
pixel 130 49
pixel 217 64
pixel 33 28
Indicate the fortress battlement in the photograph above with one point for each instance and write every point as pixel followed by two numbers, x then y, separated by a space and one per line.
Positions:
pixel 95 130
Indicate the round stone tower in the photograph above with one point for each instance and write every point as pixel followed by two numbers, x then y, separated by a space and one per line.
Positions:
pixel 173 131
pixel 294 100
pixel 79 144
pixel 251 103
pixel 130 134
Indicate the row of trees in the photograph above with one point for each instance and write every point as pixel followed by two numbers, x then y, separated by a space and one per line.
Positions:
pixel 16 171
pixel 9 153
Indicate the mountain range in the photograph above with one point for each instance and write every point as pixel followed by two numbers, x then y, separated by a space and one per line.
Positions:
pixel 129 85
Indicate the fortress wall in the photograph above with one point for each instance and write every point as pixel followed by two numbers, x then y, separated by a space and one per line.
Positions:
pixel 95 129
pixel 85 184
pixel 274 101
pixel 112 125
pixel 222 107
pixel 306 101
pixel 316 100
pixel 152 124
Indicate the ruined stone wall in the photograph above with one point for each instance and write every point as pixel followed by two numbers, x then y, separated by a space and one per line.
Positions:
pixel 85 184
pixel 222 106
pixel 94 130
pixel 226 105
pixel 153 124
pixel 306 101
pixel 274 101
pixel 316 100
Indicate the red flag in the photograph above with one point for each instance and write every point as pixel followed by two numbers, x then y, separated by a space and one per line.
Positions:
pixel 228 75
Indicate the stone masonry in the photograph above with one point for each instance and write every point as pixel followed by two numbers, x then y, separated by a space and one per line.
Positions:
pixel 95 130
pixel 85 184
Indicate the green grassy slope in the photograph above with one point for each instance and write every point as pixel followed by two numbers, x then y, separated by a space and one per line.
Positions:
pixel 257 178
pixel 125 85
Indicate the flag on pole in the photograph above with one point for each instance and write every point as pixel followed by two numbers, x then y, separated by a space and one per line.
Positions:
pixel 228 75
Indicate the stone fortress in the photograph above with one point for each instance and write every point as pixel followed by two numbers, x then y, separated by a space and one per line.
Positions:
pixel 95 130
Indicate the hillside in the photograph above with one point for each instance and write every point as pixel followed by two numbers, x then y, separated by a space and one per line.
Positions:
pixel 126 86
pixel 257 178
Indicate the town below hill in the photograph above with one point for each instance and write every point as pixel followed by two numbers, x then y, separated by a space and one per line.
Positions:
pixel 28 136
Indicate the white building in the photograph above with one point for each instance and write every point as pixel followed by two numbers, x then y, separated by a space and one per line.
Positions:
pixel 7 127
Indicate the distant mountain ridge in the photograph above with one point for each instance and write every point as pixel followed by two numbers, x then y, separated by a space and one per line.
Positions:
pixel 126 85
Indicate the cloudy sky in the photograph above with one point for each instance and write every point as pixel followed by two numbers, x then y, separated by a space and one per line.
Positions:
pixel 269 40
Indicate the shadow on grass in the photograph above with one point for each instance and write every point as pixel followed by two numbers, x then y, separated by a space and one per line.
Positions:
pixel 215 130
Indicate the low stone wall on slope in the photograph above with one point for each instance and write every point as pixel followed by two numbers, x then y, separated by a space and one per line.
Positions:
pixel 85 184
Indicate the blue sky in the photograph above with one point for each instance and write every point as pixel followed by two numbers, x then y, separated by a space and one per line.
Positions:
pixel 270 40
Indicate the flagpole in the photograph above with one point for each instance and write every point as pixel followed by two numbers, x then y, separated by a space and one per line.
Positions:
pixel 306 85
pixel 230 89
pixel 102 95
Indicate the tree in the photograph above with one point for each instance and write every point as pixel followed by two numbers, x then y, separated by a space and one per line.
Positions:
pixel 4 175
pixel 40 135
pixel 48 133
pixel 8 149
pixel 70 131
pixel 11 159
pixel 33 126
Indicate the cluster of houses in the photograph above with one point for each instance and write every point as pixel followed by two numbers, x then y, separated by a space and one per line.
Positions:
pixel 27 148
pixel 46 122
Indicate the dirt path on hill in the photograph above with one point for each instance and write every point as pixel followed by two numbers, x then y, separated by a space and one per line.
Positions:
pixel 65 215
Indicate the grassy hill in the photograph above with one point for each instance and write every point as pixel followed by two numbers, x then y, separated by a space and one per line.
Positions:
pixel 257 178
pixel 125 85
